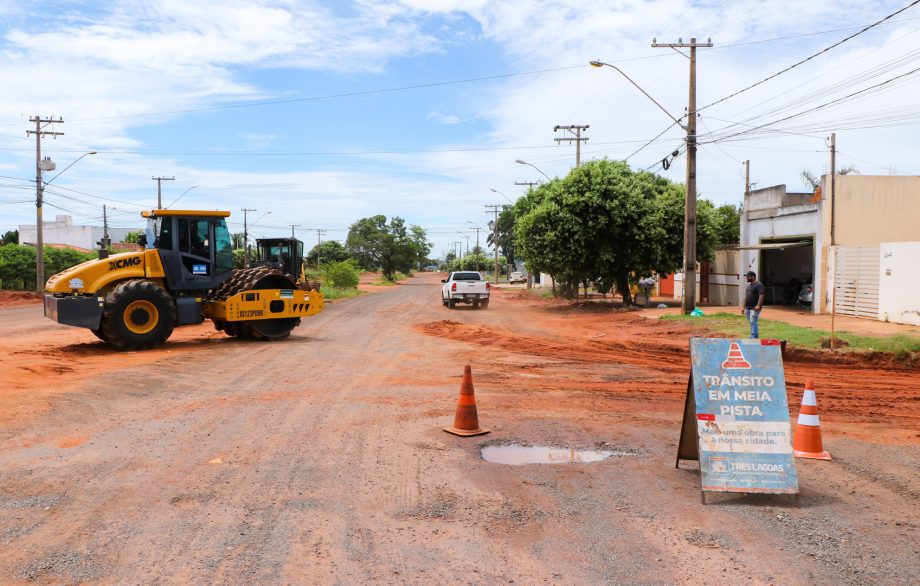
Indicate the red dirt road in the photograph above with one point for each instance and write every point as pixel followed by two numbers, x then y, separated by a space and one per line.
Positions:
pixel 320 459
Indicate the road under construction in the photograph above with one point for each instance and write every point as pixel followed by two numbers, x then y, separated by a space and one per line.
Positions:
pixel 322 457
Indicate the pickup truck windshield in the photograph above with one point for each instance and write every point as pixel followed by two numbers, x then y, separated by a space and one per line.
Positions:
pixel 467 277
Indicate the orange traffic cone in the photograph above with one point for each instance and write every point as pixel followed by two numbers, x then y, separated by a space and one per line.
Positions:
pixel 466 420
pixel 807 441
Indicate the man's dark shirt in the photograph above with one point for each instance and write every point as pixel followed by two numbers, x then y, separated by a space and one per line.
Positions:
pixel 752 296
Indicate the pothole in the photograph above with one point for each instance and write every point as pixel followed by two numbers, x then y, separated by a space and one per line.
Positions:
pixel 515 455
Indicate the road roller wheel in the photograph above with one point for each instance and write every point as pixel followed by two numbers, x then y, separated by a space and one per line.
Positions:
pixel 248 280
pixel 137 315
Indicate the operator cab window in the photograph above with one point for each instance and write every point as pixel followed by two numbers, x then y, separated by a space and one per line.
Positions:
pixel 223 246
pixel 194 245
pixel 165 242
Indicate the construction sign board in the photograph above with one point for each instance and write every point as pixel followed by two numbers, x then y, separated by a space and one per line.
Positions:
pixel 736 418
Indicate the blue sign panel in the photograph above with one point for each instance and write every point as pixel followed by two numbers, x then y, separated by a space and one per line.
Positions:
pixel 742 417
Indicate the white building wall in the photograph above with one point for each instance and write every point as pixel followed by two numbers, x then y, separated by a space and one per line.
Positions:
pixel 63 231
pixel 757 226
pixel 899 283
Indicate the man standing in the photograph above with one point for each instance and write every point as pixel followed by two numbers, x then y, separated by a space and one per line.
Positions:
pixel 753 302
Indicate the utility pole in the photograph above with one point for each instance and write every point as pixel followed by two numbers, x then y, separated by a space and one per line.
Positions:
pixel 476 250
pixel 577 139
pixel 494 209
pixel 106 242
pixel 688 303
pixel 160 181
pixel 747 178
pixel 467 236
pixel 246 236
pixel 833 242
pixel 529 184
pixel 39 192
pixel 319 240
pixel 292 229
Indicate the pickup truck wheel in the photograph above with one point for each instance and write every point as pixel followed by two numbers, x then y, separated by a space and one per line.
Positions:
pixel 485 304
pixel 450 303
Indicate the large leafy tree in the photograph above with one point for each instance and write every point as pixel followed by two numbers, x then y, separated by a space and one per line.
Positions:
pixel 375 243
pixel 419 238
pixel 606 225
pixel 330 251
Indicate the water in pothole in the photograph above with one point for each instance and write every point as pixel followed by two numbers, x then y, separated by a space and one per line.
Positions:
pixel 516 455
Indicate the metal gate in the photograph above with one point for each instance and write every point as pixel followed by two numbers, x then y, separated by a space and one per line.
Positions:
pixel 856 277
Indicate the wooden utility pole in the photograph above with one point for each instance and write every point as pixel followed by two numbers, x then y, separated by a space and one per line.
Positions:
pixel 688 302
pixel 246 236
pixel 160 181
pixel 747 178
pixel 833 242
pixel 577 139
pixel 39 195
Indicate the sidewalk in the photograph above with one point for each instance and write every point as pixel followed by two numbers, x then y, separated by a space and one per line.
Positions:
pixel 799 317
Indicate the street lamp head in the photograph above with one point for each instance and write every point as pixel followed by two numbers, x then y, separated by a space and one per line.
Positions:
pixel 91 153
pixel 596 63
pixel 520 162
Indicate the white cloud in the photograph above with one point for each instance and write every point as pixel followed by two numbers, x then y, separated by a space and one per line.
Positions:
pixel 444 118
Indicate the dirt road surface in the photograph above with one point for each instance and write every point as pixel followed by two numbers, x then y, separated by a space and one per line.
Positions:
pixel 321 459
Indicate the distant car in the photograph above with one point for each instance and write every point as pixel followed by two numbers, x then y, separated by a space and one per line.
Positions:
pixel 806 296
pixel 517 277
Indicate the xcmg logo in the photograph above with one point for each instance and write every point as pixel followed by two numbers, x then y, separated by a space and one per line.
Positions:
pixel 124 263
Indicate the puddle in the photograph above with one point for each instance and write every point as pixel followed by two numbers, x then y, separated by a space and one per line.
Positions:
pixel 517 455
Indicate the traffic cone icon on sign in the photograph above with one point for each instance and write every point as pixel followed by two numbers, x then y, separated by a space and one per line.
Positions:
pixel 466 420
pixel 735 357
pixel 807 441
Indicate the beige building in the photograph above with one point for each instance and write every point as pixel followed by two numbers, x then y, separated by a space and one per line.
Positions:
pixel 855 243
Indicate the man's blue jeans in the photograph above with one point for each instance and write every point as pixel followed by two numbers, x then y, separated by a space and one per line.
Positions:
pixel 752 316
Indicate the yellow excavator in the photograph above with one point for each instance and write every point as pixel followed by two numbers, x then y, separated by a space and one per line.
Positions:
pixel 183 276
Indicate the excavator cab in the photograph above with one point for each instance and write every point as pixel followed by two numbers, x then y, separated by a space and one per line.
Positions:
pixel 195 247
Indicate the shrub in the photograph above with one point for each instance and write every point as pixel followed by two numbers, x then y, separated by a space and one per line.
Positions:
pixel 342 275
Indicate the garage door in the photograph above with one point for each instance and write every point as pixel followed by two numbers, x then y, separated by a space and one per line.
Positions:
pixel 856 281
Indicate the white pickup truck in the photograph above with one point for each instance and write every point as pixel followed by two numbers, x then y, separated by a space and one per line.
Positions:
pixel 465 287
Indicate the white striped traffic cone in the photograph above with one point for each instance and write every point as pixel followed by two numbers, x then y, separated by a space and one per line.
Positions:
pixel 807 440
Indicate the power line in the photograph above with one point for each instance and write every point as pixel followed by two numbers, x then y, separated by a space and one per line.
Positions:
pixel 809 58
pixel 826 104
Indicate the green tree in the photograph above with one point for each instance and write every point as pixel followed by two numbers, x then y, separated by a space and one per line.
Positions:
pixel 605 225
pixel 727 219
pixel 506 221
pixel 329 251
pixel 419 238
pixel 132 237
pixel 378 244
pixel 11 237
pixel 17 266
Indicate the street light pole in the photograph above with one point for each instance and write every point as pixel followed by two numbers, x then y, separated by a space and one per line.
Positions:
pixel 520 162
pixel 501 194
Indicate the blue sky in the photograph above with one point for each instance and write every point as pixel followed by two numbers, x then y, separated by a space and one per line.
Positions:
pixel 312 111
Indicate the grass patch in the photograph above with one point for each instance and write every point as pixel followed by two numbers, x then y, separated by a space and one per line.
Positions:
pixel 384 282
pixel 737 325
pixel 330 293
